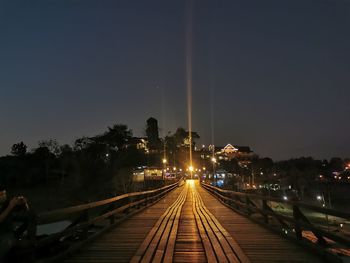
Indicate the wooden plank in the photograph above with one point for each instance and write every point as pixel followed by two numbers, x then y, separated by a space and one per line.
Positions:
pixel 154 245
pixel 121 242
pixel 216 246
pixel 188 245
pixel 233 252
pixel 257 243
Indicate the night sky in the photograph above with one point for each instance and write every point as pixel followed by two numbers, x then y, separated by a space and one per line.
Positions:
pixel 277 73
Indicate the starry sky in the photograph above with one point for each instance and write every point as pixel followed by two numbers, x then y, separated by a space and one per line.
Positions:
pixel 273 75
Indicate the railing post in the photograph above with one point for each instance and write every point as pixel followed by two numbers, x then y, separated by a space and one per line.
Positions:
pixel 247 202
pixel 32 226
pixel 112 217
pixel 296 216
pixel 265 209
pixel 85 219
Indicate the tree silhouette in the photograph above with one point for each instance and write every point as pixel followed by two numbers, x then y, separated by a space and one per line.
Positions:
pixel 152 132
pixel 52 145
pixel 116 136
pixel 19 149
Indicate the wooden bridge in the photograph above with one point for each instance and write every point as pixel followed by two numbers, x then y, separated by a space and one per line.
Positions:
pixel 189 222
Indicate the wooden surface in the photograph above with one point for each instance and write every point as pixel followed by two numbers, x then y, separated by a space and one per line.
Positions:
pixel 122 242
pixel 190 225
pixel 258 243
pixel 222 247
pixel 188 246
pixel 161 239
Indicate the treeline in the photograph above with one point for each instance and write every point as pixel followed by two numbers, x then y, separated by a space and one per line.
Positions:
pixel 91 161
pixel 88 161
pixel 305 174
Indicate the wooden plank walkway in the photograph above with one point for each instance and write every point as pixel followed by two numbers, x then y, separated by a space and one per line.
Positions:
pixel 222 247
pixel 188 246
pixel 258 243
pixel 159 244
pixel 190 225
pixel 122 242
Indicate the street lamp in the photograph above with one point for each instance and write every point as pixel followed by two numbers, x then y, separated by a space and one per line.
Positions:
pixel 213 160
pixel 191 170
pixel 164 161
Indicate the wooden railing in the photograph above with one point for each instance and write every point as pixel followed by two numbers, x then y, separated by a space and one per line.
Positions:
pixel 300 221
pixel 89 220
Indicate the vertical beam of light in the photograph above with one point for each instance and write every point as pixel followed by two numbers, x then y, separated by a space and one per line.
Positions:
pixel 212 119
pixel 189 7
pixel 163 121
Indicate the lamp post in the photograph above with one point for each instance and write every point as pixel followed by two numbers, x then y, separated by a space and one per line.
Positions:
pixel 164 161
pixel 213 160
pixel 191 170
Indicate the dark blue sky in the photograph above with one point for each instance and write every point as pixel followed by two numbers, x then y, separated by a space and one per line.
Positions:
pixel 277 72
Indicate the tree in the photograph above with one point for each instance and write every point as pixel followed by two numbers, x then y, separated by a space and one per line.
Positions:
pixel 19 149
pixel 82 143
pixel 181 137
pixel 52 145
pixel 152 132
pixel 336 164
pixel 116 136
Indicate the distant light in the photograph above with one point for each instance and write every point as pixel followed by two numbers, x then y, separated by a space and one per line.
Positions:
pixel 174 168
pixel 164 161
pixel 285 198
pixel 204 168
pixel 191 168
pixel 341 225
pixel 203 146
pixel 107 154
pixel 213 160
pixel 319 197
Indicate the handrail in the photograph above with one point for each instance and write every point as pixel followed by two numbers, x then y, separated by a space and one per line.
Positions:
pixel 46 216
pixel 319 209
pixel 248 204
pixel 85 225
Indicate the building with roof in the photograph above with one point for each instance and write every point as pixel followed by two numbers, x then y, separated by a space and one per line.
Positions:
pixel 243 154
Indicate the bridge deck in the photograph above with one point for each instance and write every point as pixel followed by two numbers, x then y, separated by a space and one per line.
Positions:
pixel 122 242
pixel 190 225
pixel 258 243
pixel 188 247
